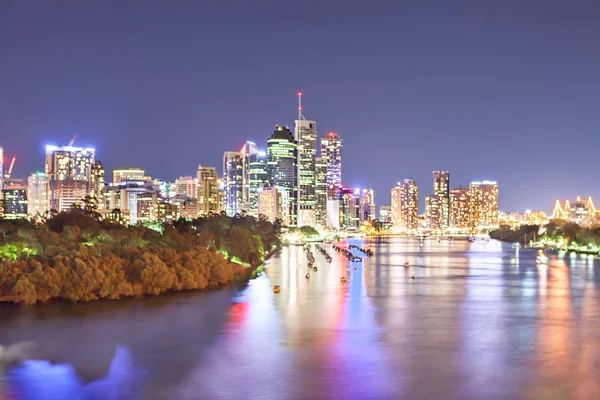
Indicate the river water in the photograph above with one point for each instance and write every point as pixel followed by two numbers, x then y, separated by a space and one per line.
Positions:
pixel 478 321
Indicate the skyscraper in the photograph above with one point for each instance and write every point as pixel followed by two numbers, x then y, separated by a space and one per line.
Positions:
pixel 282 156
pixel 350 209
pixel 405 206
pixel 305 133
pixel 69 171
pixel 484 200
pixel 186 187
pixel 321 191
pixel 460 209
pixel 331 152
pixel 441 189
pixel 269 203
pixel 208 190
pixel 37 184
pixel 233 181
pixel 97 185
pixel 254 176
pixel 367 205
pixel 433 212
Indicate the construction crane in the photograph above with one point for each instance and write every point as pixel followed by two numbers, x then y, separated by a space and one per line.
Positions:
pixel 73 140
pixel 12 164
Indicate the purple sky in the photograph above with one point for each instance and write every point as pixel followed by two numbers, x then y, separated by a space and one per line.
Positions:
pixel 500 90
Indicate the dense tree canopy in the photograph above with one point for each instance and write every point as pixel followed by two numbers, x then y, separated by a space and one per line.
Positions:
pixel 76 257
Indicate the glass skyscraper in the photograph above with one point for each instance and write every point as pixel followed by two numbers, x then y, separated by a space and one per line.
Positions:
pixel 282 168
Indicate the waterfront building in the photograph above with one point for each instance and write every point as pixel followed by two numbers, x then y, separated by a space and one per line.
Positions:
pixel 385 214
pixel 207 190
pixel 441 189
pixel 254 176
pixel 331 152
pixel 350 209
pixel 269 203
pixel 69 173
pixel 14 199
pixel 461 216
pixel 434 219
pixel 282 168
pixel 367 205
pixel 186 186
pixel 233 181
pixel 305 134
pixel 484 201
pixel 37 185
pixel 405 206
pixel 321 191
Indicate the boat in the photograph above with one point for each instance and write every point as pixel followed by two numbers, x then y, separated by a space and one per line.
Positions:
pixel 516 245
pixel 315 268
pixel 276 289
pixel 406 265
pixel 541 257
pixel 308 276
pixel 343 279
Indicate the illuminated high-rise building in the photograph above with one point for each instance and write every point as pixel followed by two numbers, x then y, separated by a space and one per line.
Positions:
pixel 305 134
pixel 321 191
pixel 461 211
pixel 269 203
pixel 282 158
pixel 367 205
pixel 385 214
pixel 254 176
pixel 331 152
pixel 186 186
pixel 129 174
pixel 69 172
pixel 350 209
pixel 37 185
pixel 14 199
pixel 441 189
pixel 433 212
pixel 208 190
pixel 484 203
pixel 233 181
pixel 405 206
pixel 97 185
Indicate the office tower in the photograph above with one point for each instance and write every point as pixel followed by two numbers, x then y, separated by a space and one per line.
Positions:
pixel 147 206
pixel 69 173
pixel 484 200
pixel 233 180
pixel 129 174
pixel 125 197
pixel 350 209
pixel 385 214
pixel 305 133
pixel 367 205
pixel 187 207
pixel 97 185
pixel 254 176
pixel 433 212
pixel 441 189
pixel 282 156
pixel 405 206
pixel 14 199
pixel 269 203
pixel 208 190
pixel 331 152
pixel 320 191
pixel 185 186
pixel 37 197
pixel 460 209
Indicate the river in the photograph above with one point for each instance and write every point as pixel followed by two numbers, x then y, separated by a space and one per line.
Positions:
pixel 478 321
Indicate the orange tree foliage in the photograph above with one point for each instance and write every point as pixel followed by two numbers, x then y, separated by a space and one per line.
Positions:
pixel 79 258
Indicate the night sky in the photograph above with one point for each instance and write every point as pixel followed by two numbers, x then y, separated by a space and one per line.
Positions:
pixel 500 90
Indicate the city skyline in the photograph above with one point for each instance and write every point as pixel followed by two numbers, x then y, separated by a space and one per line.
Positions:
pixel 463 97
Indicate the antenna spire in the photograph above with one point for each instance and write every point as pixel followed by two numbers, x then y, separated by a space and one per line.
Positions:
pixel 300 116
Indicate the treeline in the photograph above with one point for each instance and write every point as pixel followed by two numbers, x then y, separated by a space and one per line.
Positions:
pixel 556 231
pixel 76 257
pixel 523 234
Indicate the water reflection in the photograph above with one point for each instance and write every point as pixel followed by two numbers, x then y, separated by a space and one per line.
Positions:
pixel 480 320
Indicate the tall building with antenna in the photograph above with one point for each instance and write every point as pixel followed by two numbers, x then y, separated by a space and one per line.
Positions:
pixel 305 133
